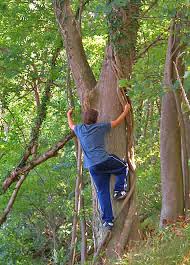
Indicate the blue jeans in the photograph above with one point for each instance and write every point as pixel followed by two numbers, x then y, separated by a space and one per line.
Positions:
pixel 101 174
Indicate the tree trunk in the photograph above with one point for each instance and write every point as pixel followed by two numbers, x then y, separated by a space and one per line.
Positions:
pixel 117 65
pixel 170 142
pixel 187 129
pixel 116 143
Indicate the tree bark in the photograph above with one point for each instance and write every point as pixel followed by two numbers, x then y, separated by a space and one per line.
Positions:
pixel 184 152
pixel 170 142
pixel 186 117
pixel 82 73
pixel 116 143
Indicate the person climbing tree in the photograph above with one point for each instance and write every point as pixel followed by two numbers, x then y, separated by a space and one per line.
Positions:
pixel 100 164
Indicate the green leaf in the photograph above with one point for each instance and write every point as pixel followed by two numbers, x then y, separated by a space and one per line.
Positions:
pixel 123 83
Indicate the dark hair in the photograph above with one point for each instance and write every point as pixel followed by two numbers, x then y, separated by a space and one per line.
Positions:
pixel 90 116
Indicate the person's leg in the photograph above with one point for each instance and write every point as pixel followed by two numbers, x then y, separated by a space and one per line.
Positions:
pixel 102 185
pixel 121 180
pixel 119 168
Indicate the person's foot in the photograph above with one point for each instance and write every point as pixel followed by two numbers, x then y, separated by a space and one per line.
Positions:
pixel 119 195
pixel 108 225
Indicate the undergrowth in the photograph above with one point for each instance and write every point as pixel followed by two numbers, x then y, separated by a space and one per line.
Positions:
pixel 168 246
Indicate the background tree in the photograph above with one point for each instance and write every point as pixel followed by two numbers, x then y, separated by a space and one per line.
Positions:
pixel 175 176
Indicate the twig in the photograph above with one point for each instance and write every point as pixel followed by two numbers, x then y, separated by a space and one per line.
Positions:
pixel 158 38
pixel 70 97
pixel 83 233
pixel 126 200
pixel 78 12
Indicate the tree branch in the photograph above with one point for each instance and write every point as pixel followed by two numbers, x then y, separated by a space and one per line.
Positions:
pixel 148 9
pixel 80 9
pixel 3 217
pixel 82 73
pixel 126 228
pixel 25 171
pixel 152 44
pixel 35 162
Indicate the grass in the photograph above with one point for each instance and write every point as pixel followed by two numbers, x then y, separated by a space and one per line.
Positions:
pixel 168 247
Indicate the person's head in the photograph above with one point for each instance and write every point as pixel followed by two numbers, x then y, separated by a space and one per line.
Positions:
pixel 90 116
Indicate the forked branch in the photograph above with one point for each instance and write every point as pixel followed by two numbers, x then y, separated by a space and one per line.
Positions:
pixel 16 173
pixel 23 172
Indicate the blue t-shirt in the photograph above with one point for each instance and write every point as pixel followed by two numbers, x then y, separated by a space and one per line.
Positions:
pixel 91 138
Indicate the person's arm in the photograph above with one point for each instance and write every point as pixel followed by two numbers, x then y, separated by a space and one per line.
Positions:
pixel 70 120
pixel 121 117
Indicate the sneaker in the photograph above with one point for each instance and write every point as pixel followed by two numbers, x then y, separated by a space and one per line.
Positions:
pixel 108 225
pixel 119 195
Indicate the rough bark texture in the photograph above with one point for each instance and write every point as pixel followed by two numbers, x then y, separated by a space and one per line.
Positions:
pixel 170 143
pixel 117 144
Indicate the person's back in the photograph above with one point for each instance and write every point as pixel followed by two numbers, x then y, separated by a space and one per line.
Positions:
pixel 92 139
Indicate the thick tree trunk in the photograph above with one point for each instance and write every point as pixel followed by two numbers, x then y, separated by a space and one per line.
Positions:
pixel 170 143
pixel 171 168
pixel 117 144
pixel 117 65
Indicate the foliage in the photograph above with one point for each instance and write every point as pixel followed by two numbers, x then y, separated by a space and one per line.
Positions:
pixel 168 247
